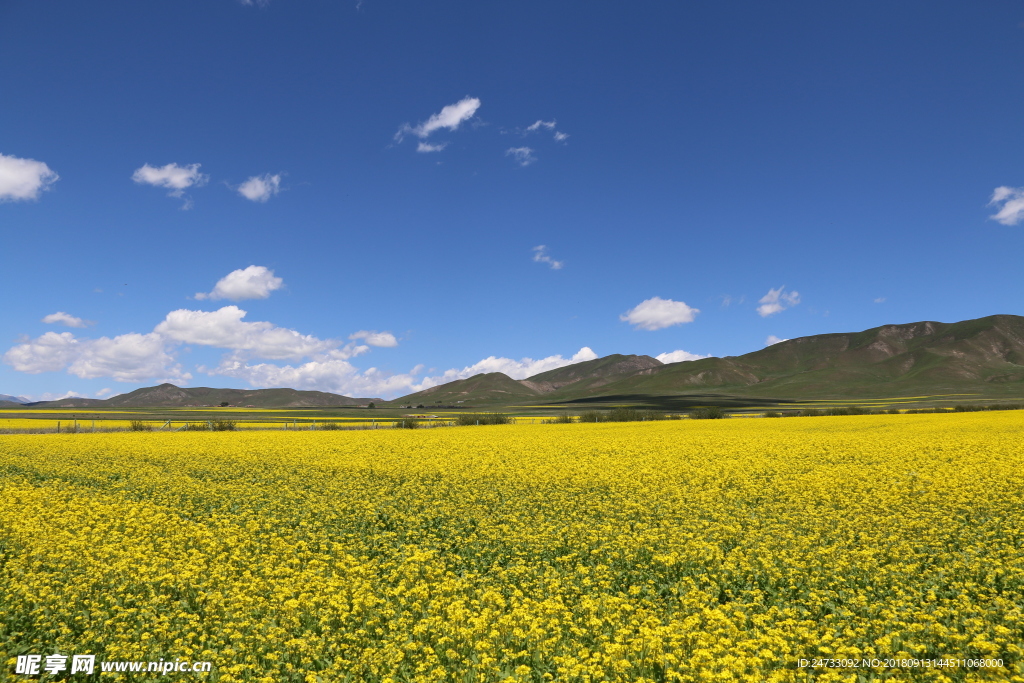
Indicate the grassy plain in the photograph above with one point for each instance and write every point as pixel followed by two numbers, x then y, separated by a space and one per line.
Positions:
pixel 666 551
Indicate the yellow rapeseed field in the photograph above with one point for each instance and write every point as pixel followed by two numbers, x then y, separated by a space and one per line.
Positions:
pixel 725 550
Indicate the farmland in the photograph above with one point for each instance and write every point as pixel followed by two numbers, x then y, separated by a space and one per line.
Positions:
pixel 668 551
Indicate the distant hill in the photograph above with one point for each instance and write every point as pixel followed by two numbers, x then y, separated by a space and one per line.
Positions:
pixel 490 387
pixel 983 356
pixel 12 399
pixel 579 378
pixel 171 396
pixel 590 375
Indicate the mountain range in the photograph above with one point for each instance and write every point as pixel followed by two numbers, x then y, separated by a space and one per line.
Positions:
pixel 983 357
pixel 171 396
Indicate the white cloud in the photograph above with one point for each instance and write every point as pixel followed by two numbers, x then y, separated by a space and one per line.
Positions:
pixel 772 339
pixel 23 179
pixel 517 369
pixel 533 127
pixel 260 188
pixel 335 376
pixel 540 255
pixel 1012 200
pixel 59 397
pixel 48 353
pixel 540 124
pixel 62 318
pixel 679 356
pixel 103 392
pixel 173 177
pixel 133 357
pixel 777 300
pixel 50 396
pixel 449 118
pixel 225 329
pixel 880 300
pixel 426 147
pixel 374 338
pixel 657 313
pixel 254 282
pixel 126 358
pixel 523 155
pixel 341 377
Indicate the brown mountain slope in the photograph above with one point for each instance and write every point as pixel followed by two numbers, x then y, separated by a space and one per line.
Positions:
pixel 984 356
pixel 484 388
pixel 589 375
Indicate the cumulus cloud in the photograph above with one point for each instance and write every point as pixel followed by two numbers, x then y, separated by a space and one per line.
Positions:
pixel 374 338
pixel 225 329
pixel 173 177
pixel 103 392
pixel 126 358
pixel 449 118
pixel 540 255
pixel 335 376
pixel 24 179
pixel 516 369
pixel 339 376
pixel 678 356
pixel 1011 199
pixel 48 353
pixel 260 188
pixel 561 137
pixel 772 339
pixel 254 282
pixel 523 155
pixel 657 313
pixel 58 397
pixel 62 318
pixel 776 301
pixel 134 356
pixel 426 147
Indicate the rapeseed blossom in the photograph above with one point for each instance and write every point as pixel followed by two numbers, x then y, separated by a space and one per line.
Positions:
pixel 666 551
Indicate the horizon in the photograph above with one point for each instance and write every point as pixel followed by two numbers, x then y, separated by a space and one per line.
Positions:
pixel 371 199
pixel 666 361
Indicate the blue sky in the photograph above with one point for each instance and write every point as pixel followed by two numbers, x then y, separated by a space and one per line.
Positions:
pixel 359 191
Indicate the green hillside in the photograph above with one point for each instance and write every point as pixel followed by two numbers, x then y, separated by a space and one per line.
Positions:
pixel 984 357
